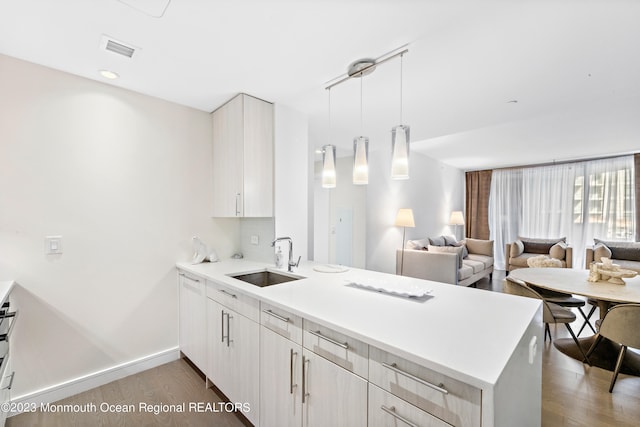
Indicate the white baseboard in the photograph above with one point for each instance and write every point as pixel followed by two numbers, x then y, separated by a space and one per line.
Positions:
pixel 87 382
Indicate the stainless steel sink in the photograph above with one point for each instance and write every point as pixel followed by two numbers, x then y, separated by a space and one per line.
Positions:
pixel 265 278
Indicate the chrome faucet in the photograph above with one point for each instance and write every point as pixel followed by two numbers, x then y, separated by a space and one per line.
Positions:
pixel 290 264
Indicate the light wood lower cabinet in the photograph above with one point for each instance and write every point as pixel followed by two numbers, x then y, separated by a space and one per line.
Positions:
pixel 192 319
pixel 233 356
pixel 333 396
pixel 280 380
pixel 387 410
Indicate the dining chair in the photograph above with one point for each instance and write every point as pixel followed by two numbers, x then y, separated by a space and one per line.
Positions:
pixel 567 301
pixel 551 313
pixel 620 325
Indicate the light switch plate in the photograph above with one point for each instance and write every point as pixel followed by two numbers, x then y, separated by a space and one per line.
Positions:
pixel 53 245
pixel 255 240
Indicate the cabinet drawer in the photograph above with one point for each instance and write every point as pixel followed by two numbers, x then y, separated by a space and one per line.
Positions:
pixel 282 322
pixel 451 400
pixel 386 410
pixel 230 298
pixel 191 282
pixel 341 349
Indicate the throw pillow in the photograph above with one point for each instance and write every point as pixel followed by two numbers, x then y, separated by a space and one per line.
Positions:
pixel 465 251
pixel 558 250
pixel 601 251
pixel 448 249
pixel 436 241
pixel 417 244
pixel 539 246
pixel 479 246
pixel 622 250
pixel 517 248
pixel 450 241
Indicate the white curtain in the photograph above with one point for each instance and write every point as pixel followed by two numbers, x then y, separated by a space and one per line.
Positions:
pixel 578 201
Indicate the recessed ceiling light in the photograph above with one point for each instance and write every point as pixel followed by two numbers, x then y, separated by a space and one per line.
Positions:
pixel 109 74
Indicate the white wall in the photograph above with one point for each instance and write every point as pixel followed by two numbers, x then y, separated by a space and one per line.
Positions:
pixel 433 191
pixel 126 180
pixel 291 179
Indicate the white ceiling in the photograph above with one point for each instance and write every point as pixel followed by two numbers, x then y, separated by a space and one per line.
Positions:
pixel 572 66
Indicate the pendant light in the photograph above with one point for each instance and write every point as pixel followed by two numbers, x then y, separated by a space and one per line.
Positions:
pixel 361 152
pixel 329 158
pixel 400 144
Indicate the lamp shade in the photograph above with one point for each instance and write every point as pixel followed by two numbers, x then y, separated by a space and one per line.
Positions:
pixel 456 218
pixel 400 152
pixel 360 160
pixel 329 166
pixel 405 218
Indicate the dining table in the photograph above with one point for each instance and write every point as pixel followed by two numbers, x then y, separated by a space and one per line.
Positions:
pixel 575 282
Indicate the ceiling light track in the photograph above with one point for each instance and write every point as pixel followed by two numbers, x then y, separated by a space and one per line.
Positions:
pixel 365 66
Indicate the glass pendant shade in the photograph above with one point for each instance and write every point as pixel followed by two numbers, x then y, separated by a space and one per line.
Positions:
pixel 329 166
pixel 400 152
pixel 361 160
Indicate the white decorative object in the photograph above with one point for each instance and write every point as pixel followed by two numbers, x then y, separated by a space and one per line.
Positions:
pixel 607 264
pixel 330 268
pixel 615 276
pixel 202 252
pixel 399 288
pixel 544 261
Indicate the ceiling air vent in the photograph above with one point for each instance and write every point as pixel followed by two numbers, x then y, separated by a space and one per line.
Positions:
pixel 116 46
pixel 120 48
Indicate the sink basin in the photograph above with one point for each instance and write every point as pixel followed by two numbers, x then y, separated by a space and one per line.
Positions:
pixel 265 278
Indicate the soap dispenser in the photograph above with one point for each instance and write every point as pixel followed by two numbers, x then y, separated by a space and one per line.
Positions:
pixel 279 258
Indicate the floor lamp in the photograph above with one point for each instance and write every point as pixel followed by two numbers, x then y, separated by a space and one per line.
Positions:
pixel 456 219
pixel 404 219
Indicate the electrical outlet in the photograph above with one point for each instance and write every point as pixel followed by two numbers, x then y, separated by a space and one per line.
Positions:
pixel 255 240
pixel 53 245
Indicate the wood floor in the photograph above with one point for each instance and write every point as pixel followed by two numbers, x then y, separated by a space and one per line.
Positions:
pixel 573 394
pixel 174 383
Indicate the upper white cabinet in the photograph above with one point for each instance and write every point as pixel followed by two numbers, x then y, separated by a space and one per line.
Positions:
pixel 243 158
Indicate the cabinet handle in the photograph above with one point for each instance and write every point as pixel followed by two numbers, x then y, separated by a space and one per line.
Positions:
pixel 14 314
pixel 237 204
pixel 392 411
pixel 13 374
pixel 394 368
pixel 228 334
pixel 304 382
pixel 222 327
pixel 228 293
pixel 291 385
pixel 277 316
pixel 190 278
pixel 332 341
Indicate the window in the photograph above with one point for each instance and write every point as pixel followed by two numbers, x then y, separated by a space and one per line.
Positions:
pixel 609 201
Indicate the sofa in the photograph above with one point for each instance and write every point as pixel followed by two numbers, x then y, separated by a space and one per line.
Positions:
pixel 443 259
pixel 518 253
pixel 625 254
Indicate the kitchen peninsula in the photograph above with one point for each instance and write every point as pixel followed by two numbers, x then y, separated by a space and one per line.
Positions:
pixel 322 347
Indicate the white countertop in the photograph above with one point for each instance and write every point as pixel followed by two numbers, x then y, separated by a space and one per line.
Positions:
pixel 466 333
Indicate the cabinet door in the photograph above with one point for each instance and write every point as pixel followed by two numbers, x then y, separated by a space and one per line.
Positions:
pixel 192 319
pixel 258 158
pixel 280 375
pixel 228 140
pixel 333 395
pixel 233 352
